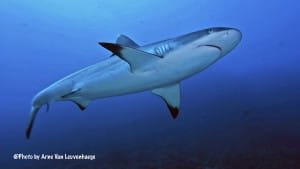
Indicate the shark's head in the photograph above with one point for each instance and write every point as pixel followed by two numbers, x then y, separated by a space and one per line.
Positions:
pixel 225 39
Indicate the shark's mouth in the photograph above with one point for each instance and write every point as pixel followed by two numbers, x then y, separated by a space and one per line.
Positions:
pixel 215 46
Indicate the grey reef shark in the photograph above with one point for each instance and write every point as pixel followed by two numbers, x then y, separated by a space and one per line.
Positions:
pixel 157 67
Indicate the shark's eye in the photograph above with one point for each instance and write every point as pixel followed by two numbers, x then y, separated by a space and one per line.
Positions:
pixel 210 31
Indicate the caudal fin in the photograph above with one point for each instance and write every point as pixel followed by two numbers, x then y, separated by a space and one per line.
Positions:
pixel 33 113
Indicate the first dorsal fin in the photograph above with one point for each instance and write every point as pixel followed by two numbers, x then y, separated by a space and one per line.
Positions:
pixel 137 59
pixel 126 41
pixel 171 96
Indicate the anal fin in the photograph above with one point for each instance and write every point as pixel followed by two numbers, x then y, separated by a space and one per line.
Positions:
pixel 82 103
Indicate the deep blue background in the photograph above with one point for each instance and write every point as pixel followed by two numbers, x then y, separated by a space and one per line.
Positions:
pixel 243 112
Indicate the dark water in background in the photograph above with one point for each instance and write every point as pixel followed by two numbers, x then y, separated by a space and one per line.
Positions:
pixel 242 112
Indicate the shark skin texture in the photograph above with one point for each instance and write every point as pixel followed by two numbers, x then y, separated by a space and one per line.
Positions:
pixel 157 67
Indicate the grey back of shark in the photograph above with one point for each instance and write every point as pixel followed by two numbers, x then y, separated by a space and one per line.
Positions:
pixel 158 67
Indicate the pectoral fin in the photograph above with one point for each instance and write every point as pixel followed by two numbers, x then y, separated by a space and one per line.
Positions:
pixel 171 96
pixel 137 59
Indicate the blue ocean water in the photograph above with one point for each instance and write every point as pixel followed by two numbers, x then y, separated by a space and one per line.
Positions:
pixel 242 112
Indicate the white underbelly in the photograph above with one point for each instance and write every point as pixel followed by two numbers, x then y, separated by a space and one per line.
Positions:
pixel 170 70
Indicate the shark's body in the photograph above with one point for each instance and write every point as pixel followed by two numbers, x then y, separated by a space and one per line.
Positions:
pixel 158 67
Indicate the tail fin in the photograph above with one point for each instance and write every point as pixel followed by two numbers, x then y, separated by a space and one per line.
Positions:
pixel 33 113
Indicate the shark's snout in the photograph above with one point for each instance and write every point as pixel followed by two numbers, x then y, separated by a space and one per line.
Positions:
pixel 222 38
pixel 235 35
pixel 225 38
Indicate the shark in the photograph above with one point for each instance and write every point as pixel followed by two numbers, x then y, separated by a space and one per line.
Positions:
pixel 157 67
